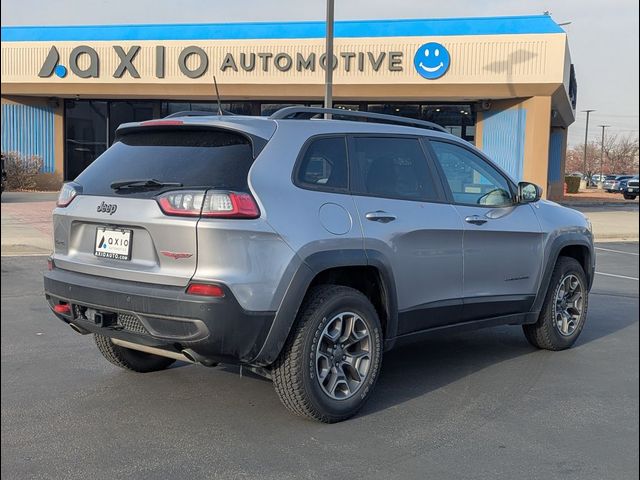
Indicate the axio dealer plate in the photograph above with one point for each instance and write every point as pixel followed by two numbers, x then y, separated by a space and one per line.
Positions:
pixel 113 243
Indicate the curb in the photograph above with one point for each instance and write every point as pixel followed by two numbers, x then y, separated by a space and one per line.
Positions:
pixel 598 204
pixel 612 239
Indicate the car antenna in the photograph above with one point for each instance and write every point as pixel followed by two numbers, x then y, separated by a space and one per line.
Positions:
pixel 215 84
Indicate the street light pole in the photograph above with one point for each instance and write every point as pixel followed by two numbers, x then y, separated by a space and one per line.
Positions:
pixel 328 72
pixel 602 150
pixel 586 139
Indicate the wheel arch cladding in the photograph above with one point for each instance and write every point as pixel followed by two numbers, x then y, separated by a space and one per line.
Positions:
pixel 574 245
pixel 356 268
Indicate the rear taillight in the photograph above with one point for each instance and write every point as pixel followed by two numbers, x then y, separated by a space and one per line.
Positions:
pixel 230 205
pixel 210 204
pixel 186 203
pixel 68 192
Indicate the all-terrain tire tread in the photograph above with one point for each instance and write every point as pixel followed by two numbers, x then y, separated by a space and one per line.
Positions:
pixel 541 334
pixel 288 368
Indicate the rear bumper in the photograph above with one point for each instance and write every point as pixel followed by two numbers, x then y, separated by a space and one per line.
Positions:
pixel 161 316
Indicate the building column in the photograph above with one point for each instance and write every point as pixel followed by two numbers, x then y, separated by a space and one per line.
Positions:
pixel 536 145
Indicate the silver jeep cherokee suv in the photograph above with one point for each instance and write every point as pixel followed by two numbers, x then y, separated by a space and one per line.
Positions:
pixel 303 248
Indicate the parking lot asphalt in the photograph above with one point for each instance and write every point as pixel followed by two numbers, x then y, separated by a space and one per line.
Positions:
pixel 482 405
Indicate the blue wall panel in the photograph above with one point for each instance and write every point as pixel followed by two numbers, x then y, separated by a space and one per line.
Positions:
pixel 503 139
pixel 29 130
pixel 556 146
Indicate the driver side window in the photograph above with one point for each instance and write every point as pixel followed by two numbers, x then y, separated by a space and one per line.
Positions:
pixel 471 179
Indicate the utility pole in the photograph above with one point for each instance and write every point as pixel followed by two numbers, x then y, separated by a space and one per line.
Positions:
pixel 602 151
pixel 328 72
pixel 586 139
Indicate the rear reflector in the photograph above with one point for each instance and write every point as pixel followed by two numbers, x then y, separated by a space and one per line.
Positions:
pixel 63 309
pixel 205 290
pixel 210 204
pixel 50 264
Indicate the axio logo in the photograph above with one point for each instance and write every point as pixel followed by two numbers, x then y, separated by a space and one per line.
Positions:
pixel 91 65
pixel 109 208
pixel 432 60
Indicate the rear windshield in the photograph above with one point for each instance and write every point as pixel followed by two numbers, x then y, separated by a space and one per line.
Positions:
pixel 194 158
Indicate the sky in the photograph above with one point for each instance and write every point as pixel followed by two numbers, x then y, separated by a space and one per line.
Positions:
pixel 603 34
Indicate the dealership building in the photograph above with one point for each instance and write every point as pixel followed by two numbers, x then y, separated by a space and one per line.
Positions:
pixel 506 84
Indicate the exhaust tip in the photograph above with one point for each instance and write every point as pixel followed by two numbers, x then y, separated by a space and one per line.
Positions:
pixel 78 329
pixel 197 358
pixel 188 353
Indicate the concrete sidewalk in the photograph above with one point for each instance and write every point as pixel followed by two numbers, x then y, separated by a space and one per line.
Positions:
pixel 614 226
pixel 27 228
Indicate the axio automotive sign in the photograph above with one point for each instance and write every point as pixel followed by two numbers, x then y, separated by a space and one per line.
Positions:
pixel 431 61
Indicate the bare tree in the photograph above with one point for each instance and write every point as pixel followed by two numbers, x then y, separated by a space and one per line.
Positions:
pixel 620 156
pixel 575 159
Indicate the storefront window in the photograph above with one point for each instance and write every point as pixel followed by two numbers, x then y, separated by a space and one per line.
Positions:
pixel 90 125
pixel 237 108
pixel 123 112
pixel 86 134
pixel 459 120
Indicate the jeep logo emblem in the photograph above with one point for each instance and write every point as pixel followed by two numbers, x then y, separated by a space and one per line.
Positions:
pixel 109 208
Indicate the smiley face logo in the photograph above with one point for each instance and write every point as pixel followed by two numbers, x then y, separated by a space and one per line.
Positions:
pixel 432 60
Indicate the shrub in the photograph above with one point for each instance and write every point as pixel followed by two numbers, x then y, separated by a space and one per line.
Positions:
pixel 21 170
pixel 573 183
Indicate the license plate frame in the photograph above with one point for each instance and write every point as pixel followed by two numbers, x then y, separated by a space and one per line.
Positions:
pixel 113 243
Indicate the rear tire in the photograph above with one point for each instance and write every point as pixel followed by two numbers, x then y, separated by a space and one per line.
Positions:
pixel 331 361
pixel 130 359
pixel 559 324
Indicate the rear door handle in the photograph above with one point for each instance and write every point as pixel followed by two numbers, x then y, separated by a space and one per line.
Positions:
pixel 380 216
pixel 476 220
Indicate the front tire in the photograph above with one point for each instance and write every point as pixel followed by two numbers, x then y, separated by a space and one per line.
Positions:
pixel 331 361
pixel 564 310
pixel 628 197
pixel 130 359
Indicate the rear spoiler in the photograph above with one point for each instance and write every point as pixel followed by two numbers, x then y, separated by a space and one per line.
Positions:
pixel 257 132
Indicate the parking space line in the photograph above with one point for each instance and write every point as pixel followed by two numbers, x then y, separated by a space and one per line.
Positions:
pixel 617 276
pixel 617 251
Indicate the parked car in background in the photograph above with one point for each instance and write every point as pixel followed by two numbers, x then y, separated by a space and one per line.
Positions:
pixel 597 178
pixel 613 185
pixel 631 190
pixel 608 180
pixel 620 186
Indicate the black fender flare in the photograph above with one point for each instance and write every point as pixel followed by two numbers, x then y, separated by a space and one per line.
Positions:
pixel 556 246
pixel 300 282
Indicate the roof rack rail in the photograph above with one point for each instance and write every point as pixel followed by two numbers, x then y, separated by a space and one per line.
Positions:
pixel 306 113
pixel 197 113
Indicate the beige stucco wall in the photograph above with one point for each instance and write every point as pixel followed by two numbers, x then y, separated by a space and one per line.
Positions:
pixel 501 66
pixel 536 137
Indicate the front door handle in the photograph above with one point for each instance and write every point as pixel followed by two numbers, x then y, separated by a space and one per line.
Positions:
pixel 476 220
pixel 380 216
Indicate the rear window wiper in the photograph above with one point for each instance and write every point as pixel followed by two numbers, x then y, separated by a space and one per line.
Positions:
pixel 145 183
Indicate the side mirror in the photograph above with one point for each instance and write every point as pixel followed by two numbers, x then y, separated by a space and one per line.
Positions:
pixel 529 192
